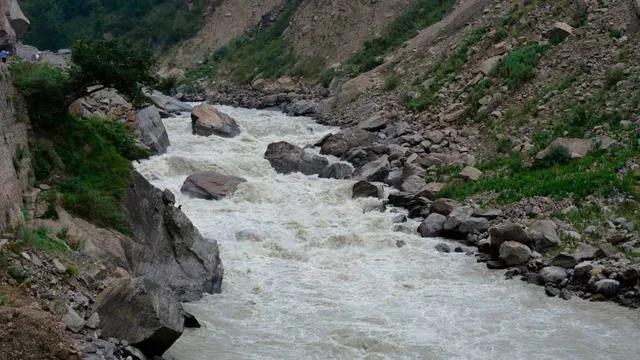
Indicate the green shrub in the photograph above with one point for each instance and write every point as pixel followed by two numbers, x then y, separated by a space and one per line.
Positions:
pixel 391 82
pixel 519 65
pixel 614 76
pixel 4 299
pixel 41 239
pixel 419 15
pixel 121 137
pixel 557 155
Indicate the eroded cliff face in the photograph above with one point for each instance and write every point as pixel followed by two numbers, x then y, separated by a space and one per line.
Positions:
pixel 224 22
pixel 332 30
pixel 13 23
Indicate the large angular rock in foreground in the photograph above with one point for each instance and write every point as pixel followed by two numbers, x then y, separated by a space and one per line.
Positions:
pixel 141 312
pixel 169 250
pixel 151 130
pixel 211 185
pixel 206 120
pixel 287 158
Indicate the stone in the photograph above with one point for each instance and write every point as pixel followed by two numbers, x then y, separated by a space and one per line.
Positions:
pixel 432 225
pixel 94 321
pixel 508 232
pixel 210 185
pixel 399 219
pixel 337 171
pixel 585 252
pixel 72 320
pixel 338 144
pixel 301 108
pixel 544 233
pixel 553 274
pixel 473 225
pixel 444 206
pixel 151 130
pixel 245 235
pixel 564 260
pixel 559 31
pixel 469 173
pixel 456 217
pixel 59 266
pixel 552 291
pixel 142 313
pixel 166 247
pixel 206 120
pixel 435 136
pixel 442 247
pixel 431 190
pixel 413 184
pixel 374 123
pixel 400 243
pixel 363 189
pixel 287 158
pixel 514 253
pixel 490 214
pixel 582 269
pixel 167 103
pixel 489 65
pixel 376 170
pixel 607 287
pixel 577 148
pixel 400 199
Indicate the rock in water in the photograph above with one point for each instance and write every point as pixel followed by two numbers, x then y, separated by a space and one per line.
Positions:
pixel 337 171
pixel 432 225
pixel 211 185
pixel 374 171
pixel 167 103
pixel 363 189
pixel 206 120
pixel 141 312
pixel 287 158
pixel 168 249
pixel 338 144
pixel 151 130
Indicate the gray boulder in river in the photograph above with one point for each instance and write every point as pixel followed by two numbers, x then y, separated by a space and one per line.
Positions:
pixel 169 249
pixel 211 185
pixel 287 158
pixel 167 103
pixel 206 120
pixel 151 130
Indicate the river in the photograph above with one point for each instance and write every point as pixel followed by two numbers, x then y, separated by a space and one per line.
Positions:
pixel 311 274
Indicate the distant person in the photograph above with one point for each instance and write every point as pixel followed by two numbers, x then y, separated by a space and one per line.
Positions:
pixel 4 55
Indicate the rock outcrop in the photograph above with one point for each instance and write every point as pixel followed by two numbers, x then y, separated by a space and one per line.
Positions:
pixel 13 23
pixel 206 120
pixel 170 250
pixel 151 130
pixel 211 185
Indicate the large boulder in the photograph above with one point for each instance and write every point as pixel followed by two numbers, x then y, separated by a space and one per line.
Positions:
pixel 553 274
pixel 206 120
pixel 287 158
pixel 151 130
pixel 444 206
pixel 337 171
pixel 413 184
pixel 103 103
pixel 544 233
pixel 167 103
pixel 338 144
pixel 374 123
pixel 514 253
pixel 576 148
pixel 432 225
pixel 607 287
pixel 211 185
pixel 363 189
pixel 142 312
pixel 16 17
pixel 376 170
pixel 508 232
pixel 169 249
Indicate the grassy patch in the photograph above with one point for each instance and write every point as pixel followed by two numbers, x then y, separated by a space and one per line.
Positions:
pixel 42 239
pixel 419 15
pixel 391 82
pixel 442 73
pixel 519 65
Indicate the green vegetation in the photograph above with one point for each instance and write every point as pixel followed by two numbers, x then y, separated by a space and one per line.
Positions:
pixel 416 17
pixel 442 73
pixel 519 65
pixel 391 82
pixel 263 52
pixel 42 239
pixel 57 24
pixel 4 299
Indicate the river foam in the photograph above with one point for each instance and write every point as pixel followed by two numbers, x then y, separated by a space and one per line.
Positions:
pixel 310 275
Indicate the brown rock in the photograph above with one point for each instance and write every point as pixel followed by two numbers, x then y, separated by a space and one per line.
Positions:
pixel 206 120
pixel 211 185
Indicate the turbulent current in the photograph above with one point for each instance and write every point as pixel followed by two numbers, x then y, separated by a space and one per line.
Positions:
pixel 312 274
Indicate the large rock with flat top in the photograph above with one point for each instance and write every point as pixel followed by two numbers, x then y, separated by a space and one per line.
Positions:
pixel 576 148
pixel 338 144
pixel 376 170
pixel 287 158
pixel 142 312
pixel 166 103
pixel 168 249
pixel 206 120
pixel 211 185
pixel 151 130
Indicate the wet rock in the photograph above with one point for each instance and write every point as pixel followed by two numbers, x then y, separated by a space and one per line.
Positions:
pixel 287 158
pixel 553 274
pixel 211 185
pixel 151 130
pixel 245 235
pixel 552 291
pixel 338 144
pixel 455 218
pixel 301 108
pixel 496 265
pixel 442 247
pixel 607 287
pixel 444 206
pixel 508 232
pixel 564 260
pixel 432 225
pixel 374 171
pixel 337 171
pixel 399 219
pixel 581 270
pixel 363 189
pixel 514 253
pixel 141 312
pixel 400 243
pixel 400 199
pixel 206 120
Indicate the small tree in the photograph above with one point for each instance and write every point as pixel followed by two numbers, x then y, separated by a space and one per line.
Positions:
pixel 114 64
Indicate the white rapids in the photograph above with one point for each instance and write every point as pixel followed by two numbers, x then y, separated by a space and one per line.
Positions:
pixel 310 275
